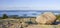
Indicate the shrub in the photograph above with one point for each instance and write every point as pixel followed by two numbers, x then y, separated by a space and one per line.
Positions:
pixel 4 16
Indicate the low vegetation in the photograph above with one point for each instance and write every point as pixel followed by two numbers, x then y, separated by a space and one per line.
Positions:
pixel 58 17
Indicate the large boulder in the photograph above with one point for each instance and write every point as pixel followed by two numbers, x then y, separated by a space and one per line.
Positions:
pixel 46 18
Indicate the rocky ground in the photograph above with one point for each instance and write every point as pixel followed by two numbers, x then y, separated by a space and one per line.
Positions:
pixel 15 23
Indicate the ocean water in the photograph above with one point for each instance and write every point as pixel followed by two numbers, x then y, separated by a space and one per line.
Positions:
pixel 25 12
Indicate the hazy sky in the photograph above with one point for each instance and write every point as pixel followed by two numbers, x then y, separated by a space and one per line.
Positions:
pixel 29 4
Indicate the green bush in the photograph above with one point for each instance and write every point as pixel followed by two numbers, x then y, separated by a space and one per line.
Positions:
pixel 58 17
pixel 4 16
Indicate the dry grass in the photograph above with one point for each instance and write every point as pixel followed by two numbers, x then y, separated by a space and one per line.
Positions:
pixel 44 26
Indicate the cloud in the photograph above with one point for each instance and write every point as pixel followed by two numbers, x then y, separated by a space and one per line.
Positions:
pixel 30 8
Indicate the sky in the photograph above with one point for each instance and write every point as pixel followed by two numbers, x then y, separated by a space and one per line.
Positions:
pixel 29 4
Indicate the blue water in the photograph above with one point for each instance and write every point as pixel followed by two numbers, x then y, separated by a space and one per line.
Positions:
pixel 20 13
pixel 27 12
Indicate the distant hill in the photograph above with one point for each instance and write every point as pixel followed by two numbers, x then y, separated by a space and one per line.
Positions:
pixel 30 11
